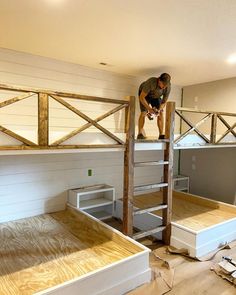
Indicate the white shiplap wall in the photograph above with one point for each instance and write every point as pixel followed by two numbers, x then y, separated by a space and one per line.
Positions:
pixel 33 184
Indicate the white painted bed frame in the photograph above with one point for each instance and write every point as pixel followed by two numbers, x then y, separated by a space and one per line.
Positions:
pixel 191 141
pixel 198 243
pixel 116 279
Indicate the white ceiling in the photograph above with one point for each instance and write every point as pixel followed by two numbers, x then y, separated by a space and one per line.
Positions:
pixel 190 39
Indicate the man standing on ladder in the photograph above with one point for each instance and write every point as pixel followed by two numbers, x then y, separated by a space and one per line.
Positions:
pixel 153 95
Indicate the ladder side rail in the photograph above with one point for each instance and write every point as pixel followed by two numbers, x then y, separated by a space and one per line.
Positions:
pixel 168 170
pixel 128 186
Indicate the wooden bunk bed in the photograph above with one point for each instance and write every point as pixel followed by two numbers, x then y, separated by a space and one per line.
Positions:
pixel 129 210
pixel 67 251
pixel 63 143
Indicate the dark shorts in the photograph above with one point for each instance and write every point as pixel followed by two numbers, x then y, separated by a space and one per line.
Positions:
pixel 154 102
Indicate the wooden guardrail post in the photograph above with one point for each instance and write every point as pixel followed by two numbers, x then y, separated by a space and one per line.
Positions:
pixel 168 170
pixel 129 169
pixel 43 119
pixel 213 128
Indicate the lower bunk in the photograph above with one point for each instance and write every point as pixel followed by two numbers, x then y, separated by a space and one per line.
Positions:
pixel 198 224
pixel 69 252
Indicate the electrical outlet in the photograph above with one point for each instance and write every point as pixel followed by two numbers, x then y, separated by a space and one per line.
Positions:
pixel 90 172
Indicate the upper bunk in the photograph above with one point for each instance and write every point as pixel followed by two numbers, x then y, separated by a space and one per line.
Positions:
pixel 37 121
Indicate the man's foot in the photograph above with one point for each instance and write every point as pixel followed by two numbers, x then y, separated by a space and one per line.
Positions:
pixel 162 136
pixel 141 136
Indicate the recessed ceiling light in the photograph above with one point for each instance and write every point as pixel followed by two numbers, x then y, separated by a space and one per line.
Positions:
pixel 55 1
pixel 232 59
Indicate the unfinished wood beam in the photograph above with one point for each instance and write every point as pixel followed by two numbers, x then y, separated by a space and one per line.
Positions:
pixel 204 112
pixel 228 131
pixel 60 147
pixel 16 136
pixel 86 118
pixel 193 128
pixel 226 124
pixel 87 125
pixel 43 119
pixel 15 99
pixel 129 170
pixel 168 170
pixel 62 94
pixel 213 128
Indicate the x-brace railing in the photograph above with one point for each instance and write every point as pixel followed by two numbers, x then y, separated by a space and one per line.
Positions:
pixel 214 116
pixel 43 118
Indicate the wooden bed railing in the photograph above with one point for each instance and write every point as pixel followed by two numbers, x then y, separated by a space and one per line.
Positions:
pixel 215 117
pixel 43 118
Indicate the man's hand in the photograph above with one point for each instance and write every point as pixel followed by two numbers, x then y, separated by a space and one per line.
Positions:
pixel 157 111
pixel 152 111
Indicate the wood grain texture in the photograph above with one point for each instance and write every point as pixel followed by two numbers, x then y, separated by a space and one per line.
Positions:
pixel 168 170
pixel 86 118
pixel 15 99
pixel 190 211
pixel 129 170
pixel 87 125
pixel 43 119
pixel 62 94
pixel 43 251
pixel 16 136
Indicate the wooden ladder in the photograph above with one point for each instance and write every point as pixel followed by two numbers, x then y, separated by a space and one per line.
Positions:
pixel 129 189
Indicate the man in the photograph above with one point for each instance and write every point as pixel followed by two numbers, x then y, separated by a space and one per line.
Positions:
pixel 153 95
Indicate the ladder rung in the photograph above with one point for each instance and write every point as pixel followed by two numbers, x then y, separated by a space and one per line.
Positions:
pixel 149 186
pixel 150 209
pixel 151 163
pixel 149 232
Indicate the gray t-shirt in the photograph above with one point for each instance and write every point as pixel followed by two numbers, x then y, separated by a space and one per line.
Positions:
pixel 153 90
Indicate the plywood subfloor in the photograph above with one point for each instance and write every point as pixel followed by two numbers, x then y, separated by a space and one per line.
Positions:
pixel 189 213
pixel 43 251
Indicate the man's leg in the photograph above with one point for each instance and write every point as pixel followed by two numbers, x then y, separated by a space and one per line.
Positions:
pixel 141 122
pixel 160 124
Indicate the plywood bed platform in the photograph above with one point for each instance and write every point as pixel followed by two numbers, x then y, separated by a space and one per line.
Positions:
pixel 198 224
pixel 68 252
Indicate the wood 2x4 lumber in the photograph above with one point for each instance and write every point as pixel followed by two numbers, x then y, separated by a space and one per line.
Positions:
pixel 150 209
pixel 43 129
pixel 87 125
pixel 82 115
pixel 228 131
pixel 150 163
pixel 15 99
pixel 150 186
pixel 63 94
pixel 168 170
pixel 129 170
pixel 226 124
pixel 150 232
pixel 204 112
pixel 16 136
pixel 192 127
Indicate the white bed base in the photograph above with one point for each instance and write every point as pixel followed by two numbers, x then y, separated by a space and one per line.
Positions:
pixel 118 278
pixel 198 243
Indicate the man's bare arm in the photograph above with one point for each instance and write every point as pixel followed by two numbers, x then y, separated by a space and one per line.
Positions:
pixel 142 98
